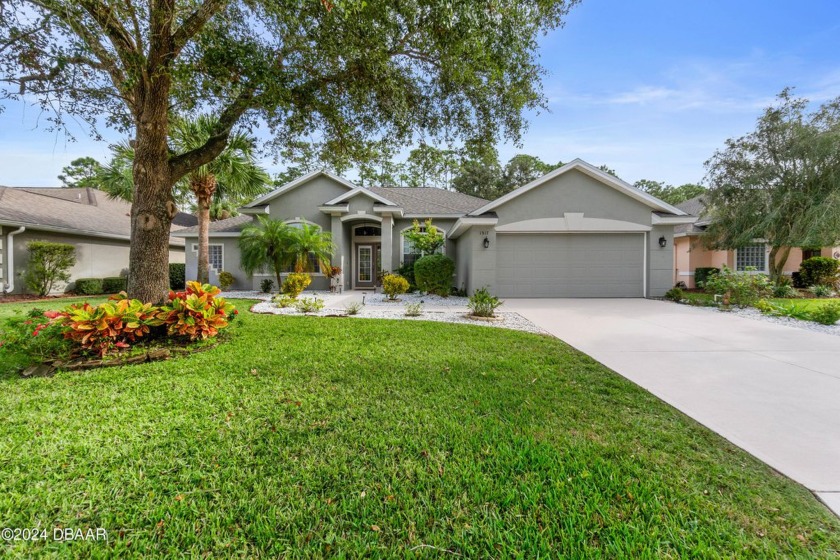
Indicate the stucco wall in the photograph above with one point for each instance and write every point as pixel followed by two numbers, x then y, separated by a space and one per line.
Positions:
pixel 572 192
pixel 95 257
pixel 303 201
pixel 660 261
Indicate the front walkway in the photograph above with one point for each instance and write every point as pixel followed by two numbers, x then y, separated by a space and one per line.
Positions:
pixel 772 390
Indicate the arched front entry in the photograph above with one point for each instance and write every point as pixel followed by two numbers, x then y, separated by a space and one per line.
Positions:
pixel 367 253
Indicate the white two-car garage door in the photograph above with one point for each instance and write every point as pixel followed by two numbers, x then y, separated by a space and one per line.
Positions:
pixel 570 265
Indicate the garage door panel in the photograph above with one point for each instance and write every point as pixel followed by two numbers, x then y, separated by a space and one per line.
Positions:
pixel 570 265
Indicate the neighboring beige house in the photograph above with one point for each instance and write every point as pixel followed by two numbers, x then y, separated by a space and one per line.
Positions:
pixel 97 226
pixel 689 253
pixel 575 232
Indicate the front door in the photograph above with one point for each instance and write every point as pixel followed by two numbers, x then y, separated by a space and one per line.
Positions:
pixel 367 257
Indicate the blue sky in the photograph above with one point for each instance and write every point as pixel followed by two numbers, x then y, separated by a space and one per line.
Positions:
pixel 650 88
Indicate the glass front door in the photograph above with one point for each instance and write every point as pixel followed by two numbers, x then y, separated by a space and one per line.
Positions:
pixel 365 269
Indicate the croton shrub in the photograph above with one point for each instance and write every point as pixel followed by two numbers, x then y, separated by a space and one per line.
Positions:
pixel 119 323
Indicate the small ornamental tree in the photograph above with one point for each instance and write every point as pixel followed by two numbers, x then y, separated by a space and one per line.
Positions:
pixel 433 274
pixel 49 263
pixel 426 239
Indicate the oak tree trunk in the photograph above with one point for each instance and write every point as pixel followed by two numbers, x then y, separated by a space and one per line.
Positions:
pixel 778 258
pixel 153 207
pixel 203 187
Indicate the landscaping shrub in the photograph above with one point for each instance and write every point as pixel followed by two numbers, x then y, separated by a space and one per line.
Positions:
pixel 89 286
pixel 49 263
pixel 394 285
pixel 283 300
pixel 34 335
pixel 177 276
pixel 483 304
pixel 675 294
pixel 743 288
pixel 407 272
pixel 113 324
pixel 295 283
pixel 784 289
pixel 796 278
pixel 309 305
pixel 702 274
pixel 195 313
pixel 821 291
pixel 114 285
pixel 226 280
pixel 413 309
pixel 827 314
pixel 267 285
pixel 433 274
pixel 819 271
pixel 353 308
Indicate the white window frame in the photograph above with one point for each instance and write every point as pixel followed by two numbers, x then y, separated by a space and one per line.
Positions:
pixel 442 250
pixel 765 270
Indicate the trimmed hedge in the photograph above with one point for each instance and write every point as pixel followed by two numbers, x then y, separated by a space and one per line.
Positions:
pixel 177 276
pixel 819 271
pixel 433 274
pixel 114 284
pixel 88 286
pixel 702 273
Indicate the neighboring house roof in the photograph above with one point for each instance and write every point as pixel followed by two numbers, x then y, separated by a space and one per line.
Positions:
pixel 589 169
pixel 696 207
pixel 229 225
pixel 78 211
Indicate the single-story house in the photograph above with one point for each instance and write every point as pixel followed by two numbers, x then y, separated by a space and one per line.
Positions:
pixel 96 225
pixel 575 232
pixel 690 254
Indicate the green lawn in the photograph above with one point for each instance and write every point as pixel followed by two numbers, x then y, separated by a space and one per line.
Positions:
pixel 804 304
pixel 308 437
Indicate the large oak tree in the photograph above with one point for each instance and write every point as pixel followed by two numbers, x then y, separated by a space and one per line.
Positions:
pixel 780 183
pixel 346 70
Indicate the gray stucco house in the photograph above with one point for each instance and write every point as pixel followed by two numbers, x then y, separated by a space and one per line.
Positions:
pixel 575 232
pixel 97 226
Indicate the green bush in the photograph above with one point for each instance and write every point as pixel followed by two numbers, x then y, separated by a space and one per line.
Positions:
pixel 295 283
pixel 226 280
pixel 114 285
pixel 394 285
pixel 783 288
pixel 353 308
pixel 283 300
pixel 744 288
pixel 177 276
pixel 407 272
pixel 413 309
pixel 702 274
pixel 33 336
pixel 49 263
pixel 267 285
pixel 819 271
pixel 309 305
pixel 827 314
pixel 433 274
pixel 89 286
pixel 821 291
pixel 675 294
pixel 483 304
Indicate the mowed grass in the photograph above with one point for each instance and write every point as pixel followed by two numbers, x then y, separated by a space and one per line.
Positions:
pixel 308 437
pixel 804 304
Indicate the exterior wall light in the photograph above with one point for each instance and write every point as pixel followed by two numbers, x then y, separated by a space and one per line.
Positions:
pixel 486 242
pixel 663 241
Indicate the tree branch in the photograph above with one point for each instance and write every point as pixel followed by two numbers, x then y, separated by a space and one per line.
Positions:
pixel 194 23
pixel 116 33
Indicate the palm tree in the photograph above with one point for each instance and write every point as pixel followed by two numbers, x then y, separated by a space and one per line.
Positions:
pixel 265 245
pixel 233 176
pixel 309 241
pixel 276 245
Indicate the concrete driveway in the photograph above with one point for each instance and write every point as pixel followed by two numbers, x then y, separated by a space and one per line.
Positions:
pixel 770 389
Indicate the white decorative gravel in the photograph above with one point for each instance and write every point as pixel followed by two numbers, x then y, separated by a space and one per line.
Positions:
pixel 378 299
pixel 241 294
pixel 507 320
pixel 755 314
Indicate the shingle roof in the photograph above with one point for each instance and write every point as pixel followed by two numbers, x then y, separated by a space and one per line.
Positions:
pixel 83 211
pixel 230 225
pixel 429 200
pixel 696 207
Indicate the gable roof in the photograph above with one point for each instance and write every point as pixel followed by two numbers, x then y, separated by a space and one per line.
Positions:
pixel 298 182
pixel 79 211
pixel 359 191
pixel 430 200
pixel 589 169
